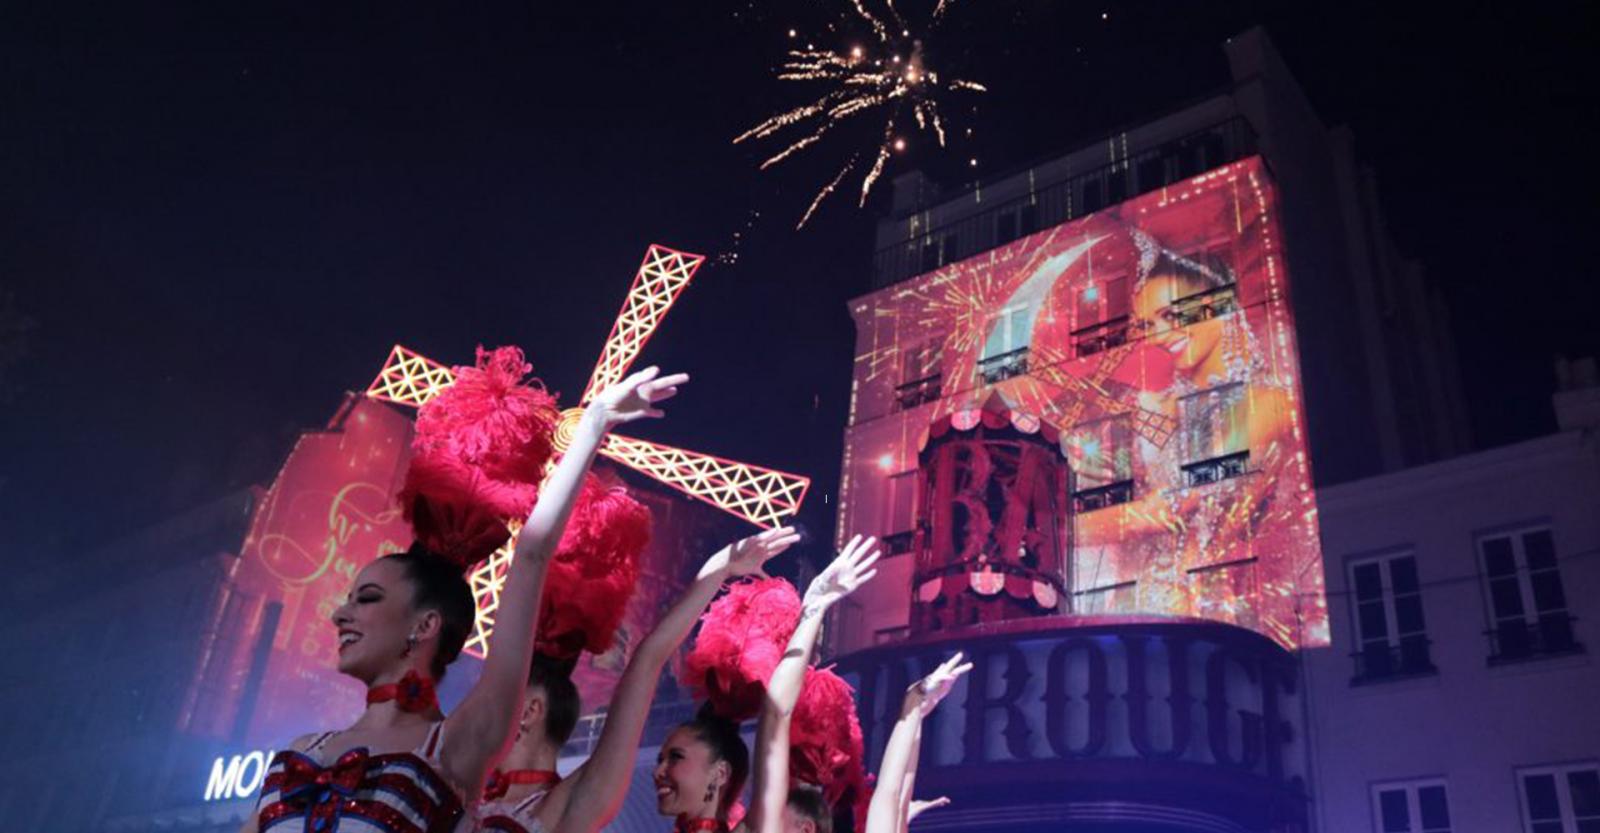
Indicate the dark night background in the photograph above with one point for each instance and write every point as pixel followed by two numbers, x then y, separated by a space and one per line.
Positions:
pixel 217 217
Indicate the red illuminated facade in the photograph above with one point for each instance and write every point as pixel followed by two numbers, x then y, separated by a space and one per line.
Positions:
pixel 1102 417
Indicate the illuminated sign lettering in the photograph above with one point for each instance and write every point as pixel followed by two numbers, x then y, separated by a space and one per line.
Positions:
pixel 238 776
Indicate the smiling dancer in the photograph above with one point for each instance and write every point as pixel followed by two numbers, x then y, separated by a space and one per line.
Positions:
pixel 703 764
pixel 528 796
pixel 404 766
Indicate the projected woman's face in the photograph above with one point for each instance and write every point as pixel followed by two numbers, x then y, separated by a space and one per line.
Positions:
pixel 1152 305
pixel 375 620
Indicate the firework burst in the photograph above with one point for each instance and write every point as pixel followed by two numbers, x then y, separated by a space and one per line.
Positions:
pixel 887 80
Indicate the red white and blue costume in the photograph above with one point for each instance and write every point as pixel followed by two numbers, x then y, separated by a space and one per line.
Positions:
pixel 397 792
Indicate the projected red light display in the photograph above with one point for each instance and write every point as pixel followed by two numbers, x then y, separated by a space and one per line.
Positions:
pixel 1150 348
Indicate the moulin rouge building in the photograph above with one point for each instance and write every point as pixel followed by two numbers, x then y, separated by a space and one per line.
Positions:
pixel 1086 405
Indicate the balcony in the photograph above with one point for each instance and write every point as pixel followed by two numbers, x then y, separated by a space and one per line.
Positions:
pixel 1065 199
pixel 1550 635
pixel 1381 661
pixel 1100 337
pixel 1111 494
pixel 1216 469
pixel 1003 366
pixel 919 392
pixel 900 542
pixel 1203 306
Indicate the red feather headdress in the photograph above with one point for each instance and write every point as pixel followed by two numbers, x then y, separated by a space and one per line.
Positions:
pixel 594 571
pixel 478 456
pixel 742 638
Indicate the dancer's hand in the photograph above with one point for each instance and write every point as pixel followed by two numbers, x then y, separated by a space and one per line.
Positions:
pixel 635 397
pixel 918 806
pixel 847 572
pixel 926 693
pixel 746 556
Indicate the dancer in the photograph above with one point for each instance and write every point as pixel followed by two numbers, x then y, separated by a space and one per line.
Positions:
pixel 527 795
pixel 703 764
pixel 403 765
pixel 798 785
pixel 892 807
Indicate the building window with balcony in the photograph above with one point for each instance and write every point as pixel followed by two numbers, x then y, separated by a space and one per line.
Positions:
pixel 1215 425
pixel 1391 636
pixel 898 527
pixel 1561 799
pixel 1411 807
pixel 921 375
pixel 1202 306
pixel 1005 353
pixel 1101 454
pixel 1100 316
pixel 1527 606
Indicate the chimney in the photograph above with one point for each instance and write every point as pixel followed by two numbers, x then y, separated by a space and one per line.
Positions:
pixel 1577 398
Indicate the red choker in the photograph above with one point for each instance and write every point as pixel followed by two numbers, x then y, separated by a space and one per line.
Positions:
pixel 414 693
pixel 688 825
pixel 499 781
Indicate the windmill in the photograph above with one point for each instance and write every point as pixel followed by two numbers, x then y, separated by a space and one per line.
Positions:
pixel 759 495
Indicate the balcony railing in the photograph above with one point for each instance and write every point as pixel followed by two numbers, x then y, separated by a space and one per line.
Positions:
pixel 1550 635
pixel 1204 306
pixel 1379 661
pixel 919 392
pixel 1216 469
pixel 1065 199
pixel 1003 366
pixel 1100 337
pixel 899 542
pixel 1111 494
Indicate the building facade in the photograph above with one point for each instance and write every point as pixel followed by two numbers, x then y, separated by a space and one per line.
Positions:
pixel 1458 692
pixel 1168 438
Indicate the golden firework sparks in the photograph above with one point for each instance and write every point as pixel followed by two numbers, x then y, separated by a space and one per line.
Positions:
pixel 864 80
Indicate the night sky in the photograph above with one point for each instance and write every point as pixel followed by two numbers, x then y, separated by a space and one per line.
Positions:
pixel 217 217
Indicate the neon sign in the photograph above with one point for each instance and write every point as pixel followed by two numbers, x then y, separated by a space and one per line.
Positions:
pixel 239 776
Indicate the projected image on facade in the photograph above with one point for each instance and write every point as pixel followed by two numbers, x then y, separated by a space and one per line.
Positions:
pixel 1100 418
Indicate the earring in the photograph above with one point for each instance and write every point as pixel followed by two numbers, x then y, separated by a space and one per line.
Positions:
pixel 711 793
pixel 411 642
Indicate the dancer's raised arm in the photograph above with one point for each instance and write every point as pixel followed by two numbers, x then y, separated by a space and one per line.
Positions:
pixel 591 796
pixel 849 571
pixel 480 728
pixel 892 807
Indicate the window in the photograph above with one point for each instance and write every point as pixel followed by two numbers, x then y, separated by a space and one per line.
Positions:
pixel 1215 426
pixel 1093 195
pixel 1101 453
pixel 1006 227
pixel 1028 219
pixel 1005 354
pixel 1391 637
pixel 1413 807
pixel 1527 606
pixel 921 379
pixel 1561 799
pixel 1100 315
pixel 900 506
pixel 1117 185
pixel 1202 306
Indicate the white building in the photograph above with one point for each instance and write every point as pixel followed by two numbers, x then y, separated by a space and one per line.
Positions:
pixel 1459 693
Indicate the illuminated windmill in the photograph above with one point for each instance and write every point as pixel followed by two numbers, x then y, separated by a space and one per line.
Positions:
pixel 759 495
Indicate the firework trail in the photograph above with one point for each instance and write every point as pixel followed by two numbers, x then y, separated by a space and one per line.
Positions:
pixel 884 80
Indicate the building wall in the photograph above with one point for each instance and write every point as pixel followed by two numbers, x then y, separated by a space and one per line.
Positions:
pixel 1473 723
pixel 1140 412
pixel 1382 391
